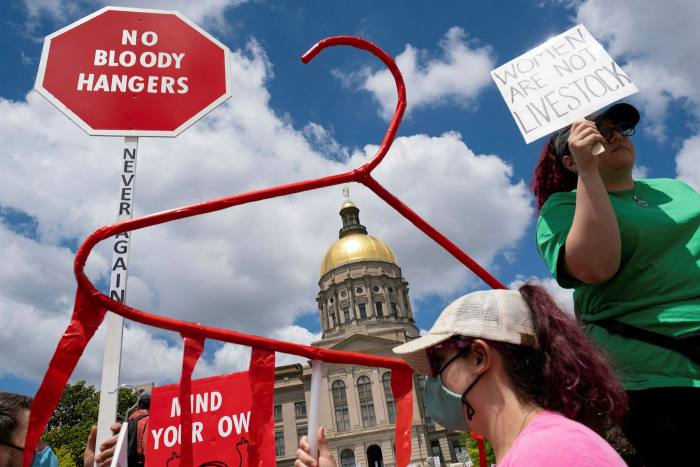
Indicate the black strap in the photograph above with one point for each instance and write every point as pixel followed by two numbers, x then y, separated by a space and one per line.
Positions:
pixel 686 345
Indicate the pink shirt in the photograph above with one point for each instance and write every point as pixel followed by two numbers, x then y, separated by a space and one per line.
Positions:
pixel 552 440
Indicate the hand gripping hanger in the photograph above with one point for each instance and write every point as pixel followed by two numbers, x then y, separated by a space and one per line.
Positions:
pixel 91 305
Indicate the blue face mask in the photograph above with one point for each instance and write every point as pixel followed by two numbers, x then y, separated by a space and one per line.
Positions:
pixel 45 458
pixel 444 406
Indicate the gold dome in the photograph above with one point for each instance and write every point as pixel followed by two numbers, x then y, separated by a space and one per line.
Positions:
pixel 348 204
pixel 356 247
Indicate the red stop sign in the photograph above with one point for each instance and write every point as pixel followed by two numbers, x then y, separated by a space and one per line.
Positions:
pixel 134 72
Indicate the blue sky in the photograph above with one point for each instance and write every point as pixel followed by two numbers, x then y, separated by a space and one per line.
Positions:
pixel 284 110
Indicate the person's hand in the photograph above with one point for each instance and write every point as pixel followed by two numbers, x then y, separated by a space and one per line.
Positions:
pixel 104 458
pixel 584 134
pixel 325 458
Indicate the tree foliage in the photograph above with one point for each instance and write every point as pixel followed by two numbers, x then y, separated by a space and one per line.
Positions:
pixel 473 451
pixel 75 415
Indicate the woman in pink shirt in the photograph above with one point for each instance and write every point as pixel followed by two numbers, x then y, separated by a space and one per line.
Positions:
pixel 509 364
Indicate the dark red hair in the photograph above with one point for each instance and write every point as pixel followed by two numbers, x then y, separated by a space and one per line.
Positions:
pixel 550 175
pixel 567 373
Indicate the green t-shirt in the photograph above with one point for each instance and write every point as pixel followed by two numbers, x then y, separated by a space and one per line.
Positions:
pixel 657 286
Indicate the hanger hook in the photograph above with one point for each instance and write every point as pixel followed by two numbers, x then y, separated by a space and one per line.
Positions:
pixel 138 393
pixel 363 44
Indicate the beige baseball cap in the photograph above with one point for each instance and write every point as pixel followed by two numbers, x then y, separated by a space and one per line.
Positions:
pixel 498 315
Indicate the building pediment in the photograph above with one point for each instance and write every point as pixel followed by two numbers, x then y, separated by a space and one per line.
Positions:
pixel 366 344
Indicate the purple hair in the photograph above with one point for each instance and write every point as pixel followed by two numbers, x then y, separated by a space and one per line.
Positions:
pixel 550 175
pixel 567 373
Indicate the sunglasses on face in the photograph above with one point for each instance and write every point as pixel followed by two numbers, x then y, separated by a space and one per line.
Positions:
pixel 439 366
pixel 14 446
pixel 608 131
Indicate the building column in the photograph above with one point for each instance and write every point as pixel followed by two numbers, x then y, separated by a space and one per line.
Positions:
pixel 403 307
pixel 324 315
pixel 387 446
pixel 380 411
pixel 353 402
pixel 387 299
pixel 360 455
pixel 370 306
pixel 289 428
pixel 353 309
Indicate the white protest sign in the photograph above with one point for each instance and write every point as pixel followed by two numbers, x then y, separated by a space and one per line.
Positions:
pixel 120 456
pixel 561 81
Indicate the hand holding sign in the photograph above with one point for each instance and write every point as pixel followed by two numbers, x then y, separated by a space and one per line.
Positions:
pixel 584 139
pixel 561 81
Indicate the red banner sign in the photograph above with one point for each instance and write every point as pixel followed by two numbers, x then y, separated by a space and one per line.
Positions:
pixel 220 423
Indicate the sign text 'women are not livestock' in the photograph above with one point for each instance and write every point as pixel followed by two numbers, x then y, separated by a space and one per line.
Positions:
pixel 558 82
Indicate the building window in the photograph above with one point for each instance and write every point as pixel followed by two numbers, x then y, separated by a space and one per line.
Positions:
pixel 340 404
pixel 278 413
pixel 364 391
pixel 389 396
pixel 421 384
pixel 358 290
pixel 346 315
pixel 279 443
pixel 300 409
pixel 391 290
pixel 460 450
pixel 301 431
pixel 435 449
pixel 376 289
pixel 363 310
pixel 378 308
pixel 331 300
pixel 394 309
pixel 343 294
pixel 347 458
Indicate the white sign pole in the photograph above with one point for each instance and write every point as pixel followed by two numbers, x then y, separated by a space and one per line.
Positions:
pixel 111 362
pixel 315 406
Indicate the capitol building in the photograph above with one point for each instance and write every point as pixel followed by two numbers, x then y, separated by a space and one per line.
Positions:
pixel 364 306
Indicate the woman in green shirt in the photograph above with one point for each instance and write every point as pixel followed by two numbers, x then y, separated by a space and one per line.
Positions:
pixel 630 249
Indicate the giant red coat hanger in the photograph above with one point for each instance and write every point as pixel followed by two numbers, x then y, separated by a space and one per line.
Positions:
pixel 91 305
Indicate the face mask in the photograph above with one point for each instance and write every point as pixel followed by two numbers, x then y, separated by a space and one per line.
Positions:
pixel 45 458
pixel 445 406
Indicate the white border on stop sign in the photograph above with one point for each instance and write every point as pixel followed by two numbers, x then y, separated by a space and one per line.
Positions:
pixel 38 85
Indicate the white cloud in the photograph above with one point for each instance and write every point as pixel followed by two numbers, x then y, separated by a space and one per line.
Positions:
pixel 563 297
pixel 657 40
pixel 470 198
pixel 253 268
pixel 458 76
pixel 640 171
pixel 324 142
pixel 688 162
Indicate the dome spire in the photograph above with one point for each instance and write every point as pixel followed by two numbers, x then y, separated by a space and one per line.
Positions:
pixel 351 216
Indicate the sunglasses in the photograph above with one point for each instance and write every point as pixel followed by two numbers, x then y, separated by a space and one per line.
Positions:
pixel 14 446
pixel 608 131
pixel 438 366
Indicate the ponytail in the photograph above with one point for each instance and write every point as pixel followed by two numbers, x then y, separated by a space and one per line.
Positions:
pixel 567 373
pixel 550 175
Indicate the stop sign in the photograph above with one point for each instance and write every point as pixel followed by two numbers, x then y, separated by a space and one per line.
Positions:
pixel 134 72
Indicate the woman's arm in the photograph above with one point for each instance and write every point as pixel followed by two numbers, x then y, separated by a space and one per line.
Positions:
pixel 592 249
